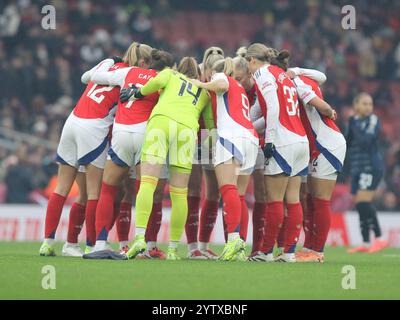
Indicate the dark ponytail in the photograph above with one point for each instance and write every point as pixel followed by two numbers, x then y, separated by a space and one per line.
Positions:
pixel 161 60
pixel 281 60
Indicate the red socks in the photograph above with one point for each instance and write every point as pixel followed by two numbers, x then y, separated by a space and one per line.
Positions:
pixel 154 224
pixel 258 225
pixel 105 211
pixel 322 223
pixel 192 222
pixel 209 213
pixel 53 214
pixel 292 226
pixel 232 207
pixel 115 213
pixel 308 222
pixel 76 220
pixel 123 221
pixel 90 218
pixel 273 222
pixel 244 221
pixel 282 233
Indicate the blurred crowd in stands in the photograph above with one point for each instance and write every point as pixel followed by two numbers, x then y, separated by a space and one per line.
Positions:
pixel 40 69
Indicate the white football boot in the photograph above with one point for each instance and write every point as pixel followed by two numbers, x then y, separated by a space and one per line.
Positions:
pixel 71 250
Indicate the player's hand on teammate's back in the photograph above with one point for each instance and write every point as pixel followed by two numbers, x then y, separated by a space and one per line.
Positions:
pixel 268 150
pixel 129 94
pixel 196 82
pixel 290 74
pixel 334 115
pixel 117 59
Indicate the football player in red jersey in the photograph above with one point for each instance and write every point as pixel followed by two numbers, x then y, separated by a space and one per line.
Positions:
pixel 286 147
pixel 242 74
pixel 327 153
pixel 84 142
pixel 210 205
pixel 235 151
pixel 128 133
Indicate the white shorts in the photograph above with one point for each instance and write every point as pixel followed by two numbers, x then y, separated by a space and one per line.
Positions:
pixel 126 148
pixel 79 146
pixel 260 161
pixel 328 164
pixel 242 149
pixel 291 160
pixel 164 173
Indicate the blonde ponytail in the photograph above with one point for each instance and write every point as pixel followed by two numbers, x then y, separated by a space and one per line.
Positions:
pixel 241 52
pixel 137 52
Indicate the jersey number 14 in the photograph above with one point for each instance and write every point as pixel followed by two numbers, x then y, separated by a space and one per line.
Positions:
pixel 187 86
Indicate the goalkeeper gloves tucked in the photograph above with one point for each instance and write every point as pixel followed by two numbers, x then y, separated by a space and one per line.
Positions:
pixel 269 150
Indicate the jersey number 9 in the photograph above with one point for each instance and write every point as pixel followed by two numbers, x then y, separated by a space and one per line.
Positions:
pixel 246 106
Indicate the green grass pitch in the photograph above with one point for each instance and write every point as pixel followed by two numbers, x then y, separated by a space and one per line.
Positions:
pixel 377 277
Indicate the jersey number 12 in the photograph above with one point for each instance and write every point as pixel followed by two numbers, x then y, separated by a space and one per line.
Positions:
pixel 95 95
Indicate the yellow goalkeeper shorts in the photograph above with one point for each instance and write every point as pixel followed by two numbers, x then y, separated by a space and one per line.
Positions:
pixel 166 137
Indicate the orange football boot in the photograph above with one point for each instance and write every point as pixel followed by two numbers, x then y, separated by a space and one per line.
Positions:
pixel 358 249
pixel 311 256
pixel 378 245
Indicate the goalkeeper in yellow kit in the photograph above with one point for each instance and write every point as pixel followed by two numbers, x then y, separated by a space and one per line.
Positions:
pixel 171 132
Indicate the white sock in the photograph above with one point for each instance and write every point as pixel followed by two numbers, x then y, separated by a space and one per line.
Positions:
pixel 366 244
pixel 151 245
pixel 193 246
pixel 233 236
pixel 72 244
pixel 140 231
pixel 100 245
pixel 123 244
pixel 203 246
pixel 49 241
pixel 173 244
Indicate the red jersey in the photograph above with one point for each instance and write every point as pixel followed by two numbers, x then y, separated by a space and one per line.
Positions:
pixel 255 112
pixel 278 99
pixel 321 130
pixel 252 95
pixel 138 111
pixel 231 111
pixel 97 101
